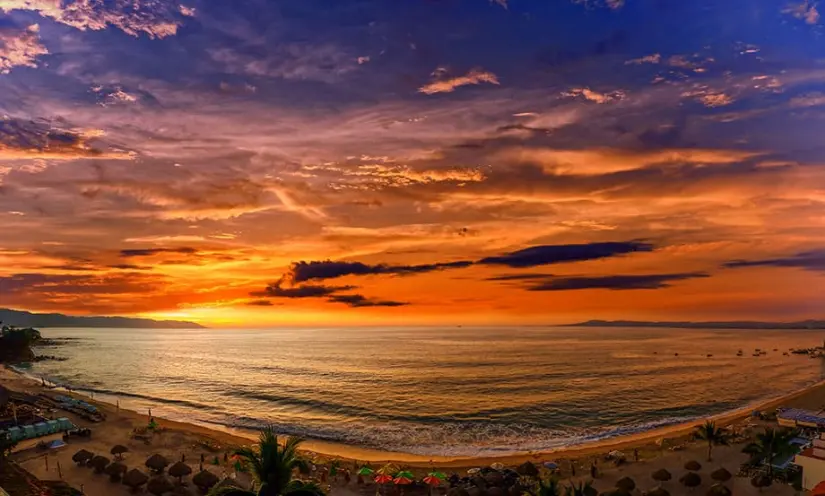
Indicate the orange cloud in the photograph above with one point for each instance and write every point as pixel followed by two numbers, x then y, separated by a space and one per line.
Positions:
pixel 448 85
pixel 595 96
pixel 20 47
pixel 134 17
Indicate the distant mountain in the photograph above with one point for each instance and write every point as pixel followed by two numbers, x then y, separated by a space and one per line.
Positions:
pixel 805 324
pixel 20 318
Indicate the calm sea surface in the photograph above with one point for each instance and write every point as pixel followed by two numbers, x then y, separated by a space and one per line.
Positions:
pixel 434 391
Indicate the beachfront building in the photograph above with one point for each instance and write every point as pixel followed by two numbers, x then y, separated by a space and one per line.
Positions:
pixel 812 461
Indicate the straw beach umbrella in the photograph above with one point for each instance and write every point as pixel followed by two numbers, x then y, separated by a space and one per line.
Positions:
pixel 205 480
pixel 761 481
pixel 616 492
pixel 135 478
pixel 719 490
pixel 626 483
pixel 691 480
pixel 115 471
pixel 180 470
pixel 528 468
pixel 99 463
pixel 118 450
pixel 159 485
pixel 693 466
pixel 82 456
pixel 721 475
pixel 157 463
pixel 661 475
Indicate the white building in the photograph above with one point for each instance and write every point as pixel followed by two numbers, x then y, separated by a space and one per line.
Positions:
pixel 812 461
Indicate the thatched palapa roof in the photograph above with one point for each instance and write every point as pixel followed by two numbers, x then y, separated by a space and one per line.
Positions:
pixel 99 463
pixel 626 483
pixel 135 478
pixel 159 485
pixel 205 479
pixel 82 456
pixel 180 469
pixel 691 479
pixel 721 475
pixel 157 462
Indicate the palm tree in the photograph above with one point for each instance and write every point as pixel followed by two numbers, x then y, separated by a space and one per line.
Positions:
pixel 715 436
pixel 6 446
pixel 769 445
pixel 546 487
pixel 580 489
pixel 272 465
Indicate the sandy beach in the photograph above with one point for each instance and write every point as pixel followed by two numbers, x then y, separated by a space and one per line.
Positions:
pixel 661 448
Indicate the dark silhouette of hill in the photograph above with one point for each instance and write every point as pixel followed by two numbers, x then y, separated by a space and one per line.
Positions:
pixel 21 318
pixel 804 324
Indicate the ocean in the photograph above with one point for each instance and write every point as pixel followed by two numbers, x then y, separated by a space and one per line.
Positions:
pixel 449 391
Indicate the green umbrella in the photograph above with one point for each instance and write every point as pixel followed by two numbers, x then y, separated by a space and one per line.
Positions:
pixel 438 475
pixel 406 474
pixel 365 471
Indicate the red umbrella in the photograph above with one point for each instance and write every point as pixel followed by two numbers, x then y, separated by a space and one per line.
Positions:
pixel 383 478
pixel 432 480
pixel 402 481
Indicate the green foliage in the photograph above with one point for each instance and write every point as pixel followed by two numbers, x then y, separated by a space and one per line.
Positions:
pixel 6 445
pixel 546 487
pixel 272 465
pixel 769 445
pixel 580 489
pixel 715 436
pixel 13 340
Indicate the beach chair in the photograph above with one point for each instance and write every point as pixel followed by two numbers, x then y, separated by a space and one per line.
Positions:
pixel 41 429
pixel 15 433
pixel 29 432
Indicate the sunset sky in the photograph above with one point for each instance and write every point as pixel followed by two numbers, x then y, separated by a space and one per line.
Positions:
pixel 252 163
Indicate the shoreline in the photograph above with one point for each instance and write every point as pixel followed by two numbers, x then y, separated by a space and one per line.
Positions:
pixel 329 449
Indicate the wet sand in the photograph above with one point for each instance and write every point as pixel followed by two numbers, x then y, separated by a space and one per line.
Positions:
pixel 655 447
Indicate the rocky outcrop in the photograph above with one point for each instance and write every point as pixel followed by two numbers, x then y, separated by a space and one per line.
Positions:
pixel 16 344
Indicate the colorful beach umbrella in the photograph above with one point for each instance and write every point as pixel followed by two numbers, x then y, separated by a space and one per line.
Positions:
pixel 365 471
pixel 383 478
pixel 431 480
pixel 438 475
pixel 387 470
pixel 402 481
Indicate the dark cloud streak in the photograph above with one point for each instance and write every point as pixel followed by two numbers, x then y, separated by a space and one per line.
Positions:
pixel 147 252
pixel 554 254
pixel 614 282
pixel 809 260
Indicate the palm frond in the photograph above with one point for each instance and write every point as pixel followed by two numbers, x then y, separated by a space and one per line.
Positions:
pixel 229 491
